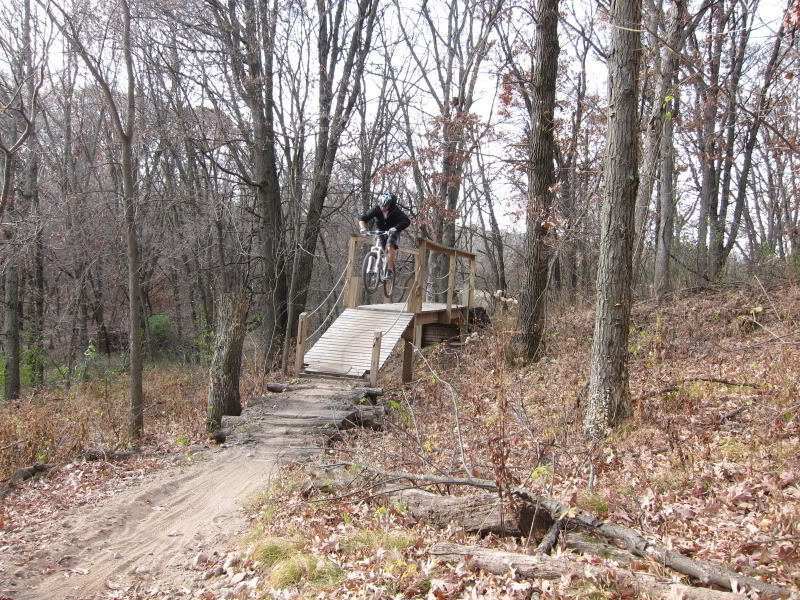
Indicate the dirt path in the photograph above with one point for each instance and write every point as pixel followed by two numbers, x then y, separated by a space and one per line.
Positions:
pixel 170 535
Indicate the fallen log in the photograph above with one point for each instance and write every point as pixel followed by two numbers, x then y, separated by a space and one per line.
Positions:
pixel 550 539
pixel 370 392
pixel 482 514
pixel 589 545
pixel 540 566
pixel 28 472
pixel 704 571
pixel 279 388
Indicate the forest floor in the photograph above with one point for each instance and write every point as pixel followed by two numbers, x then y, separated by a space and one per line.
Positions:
pixel 159 526
pixel 706 464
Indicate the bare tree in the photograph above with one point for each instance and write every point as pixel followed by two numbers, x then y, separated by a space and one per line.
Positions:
pixel 123 115
pixel 19 105
pixel 456 37
pixel 247 30
pixel 667 37
pixel 609 394
pixel 342 47
pixel 536 84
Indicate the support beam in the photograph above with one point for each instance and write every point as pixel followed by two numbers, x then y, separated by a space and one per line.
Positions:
pixel 352 280
pixel 376 359
pixel 416 297
pixel 451 284
pixel 471 292
pixel 302 333
pixel 408 361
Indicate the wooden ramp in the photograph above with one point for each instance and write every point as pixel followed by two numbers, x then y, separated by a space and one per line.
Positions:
pixel 346 347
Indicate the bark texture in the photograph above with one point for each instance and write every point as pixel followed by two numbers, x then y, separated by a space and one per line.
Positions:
pixel 12 333
pixel 482 514
pixel 547 567
pixel 609 394
pixel 223 391
pixel 541 179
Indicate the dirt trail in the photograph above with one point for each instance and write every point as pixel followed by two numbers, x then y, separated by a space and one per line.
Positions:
pixel 146 539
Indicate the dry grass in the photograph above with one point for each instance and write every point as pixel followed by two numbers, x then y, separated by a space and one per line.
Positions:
pixel 706 462
pixel 57 425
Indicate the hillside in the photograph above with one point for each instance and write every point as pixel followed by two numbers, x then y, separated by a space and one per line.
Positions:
pixel 706 465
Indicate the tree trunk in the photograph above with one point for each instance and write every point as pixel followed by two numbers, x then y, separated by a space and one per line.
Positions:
pixel 31 192
pixel 609 394
pixel 664 233
pixel 125 135
pixel 541 180
pixel 12 322
pixel 223 391
pixel 708 105
pixel 722 250
pixel 335 108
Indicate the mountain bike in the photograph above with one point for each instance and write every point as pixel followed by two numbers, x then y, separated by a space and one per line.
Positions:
pixel 374 269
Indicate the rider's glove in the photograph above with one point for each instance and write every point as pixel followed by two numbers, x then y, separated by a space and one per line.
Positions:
pixel 392 231
pixel 363 232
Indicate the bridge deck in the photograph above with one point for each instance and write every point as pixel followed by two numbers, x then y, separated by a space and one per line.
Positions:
pixel 345 348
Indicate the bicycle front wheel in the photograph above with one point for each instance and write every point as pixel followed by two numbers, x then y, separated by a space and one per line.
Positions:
pixel 388 287
pixel 369 272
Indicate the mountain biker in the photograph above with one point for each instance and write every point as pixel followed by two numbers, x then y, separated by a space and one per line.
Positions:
pixel 389 218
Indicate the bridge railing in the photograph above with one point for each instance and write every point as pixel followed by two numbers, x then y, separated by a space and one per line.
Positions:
pixel 421 255
pixel 424 249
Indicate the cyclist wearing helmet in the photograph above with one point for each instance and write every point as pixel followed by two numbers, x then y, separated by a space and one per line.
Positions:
pixel 389 218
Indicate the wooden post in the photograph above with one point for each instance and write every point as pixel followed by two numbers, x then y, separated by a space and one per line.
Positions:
pixel 352 282
pixel 420 267
pixel 376 359
pixel 302 332
pixel 451 284
pixel 471 293
pixel 408 361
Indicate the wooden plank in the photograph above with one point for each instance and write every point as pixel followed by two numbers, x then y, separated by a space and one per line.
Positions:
pixel 347 345
pixel 330 354
pixel 431 245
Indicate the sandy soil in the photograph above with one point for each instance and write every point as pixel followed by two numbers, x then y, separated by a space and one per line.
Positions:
pixel 156 538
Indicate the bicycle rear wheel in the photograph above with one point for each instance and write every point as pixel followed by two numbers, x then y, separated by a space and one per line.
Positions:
pixel 369 272
pixel 388 286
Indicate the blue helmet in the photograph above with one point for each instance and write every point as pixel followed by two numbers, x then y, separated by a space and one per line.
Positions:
pixel 387 201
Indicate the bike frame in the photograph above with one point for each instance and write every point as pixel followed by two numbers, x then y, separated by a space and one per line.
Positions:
pixel 381 250
pixel 375 266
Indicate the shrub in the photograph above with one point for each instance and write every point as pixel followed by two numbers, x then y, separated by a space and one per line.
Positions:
pixel 162 337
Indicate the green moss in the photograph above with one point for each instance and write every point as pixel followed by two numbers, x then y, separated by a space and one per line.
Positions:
pixel 373 539
pixel 303 567
pixel 594 504
pixel 733 449
pixel 270 550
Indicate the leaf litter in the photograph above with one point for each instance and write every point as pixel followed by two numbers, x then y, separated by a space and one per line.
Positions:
pixel 706 464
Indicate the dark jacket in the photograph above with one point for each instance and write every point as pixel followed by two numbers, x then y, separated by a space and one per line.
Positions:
pixel 396 218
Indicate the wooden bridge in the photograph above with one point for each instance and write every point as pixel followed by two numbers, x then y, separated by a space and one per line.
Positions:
pixel 359 342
